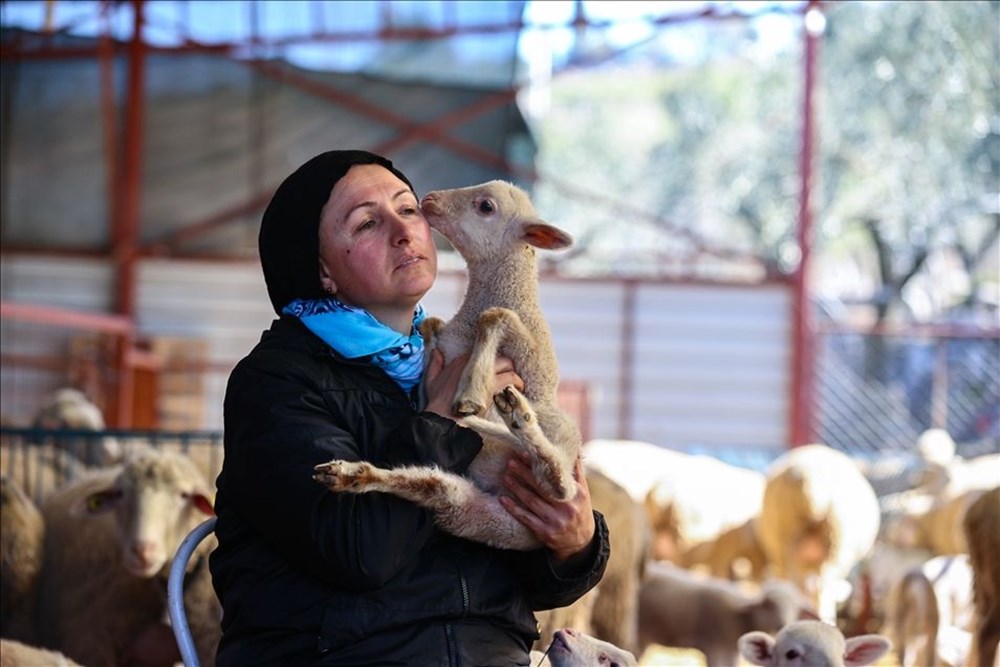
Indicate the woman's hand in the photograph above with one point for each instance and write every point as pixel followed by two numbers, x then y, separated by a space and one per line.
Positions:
pixel 441 381
pixel 566 528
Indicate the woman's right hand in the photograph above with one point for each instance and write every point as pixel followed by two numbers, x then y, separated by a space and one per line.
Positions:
pixel 441 381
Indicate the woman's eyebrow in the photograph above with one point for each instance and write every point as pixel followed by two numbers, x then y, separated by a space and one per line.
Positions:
pixel 370 204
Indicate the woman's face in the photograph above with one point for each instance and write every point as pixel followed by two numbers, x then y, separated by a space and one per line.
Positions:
pixel 376 250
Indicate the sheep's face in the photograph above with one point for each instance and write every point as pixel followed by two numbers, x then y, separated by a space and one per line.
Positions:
pixel 490 220
pixel 571 648
pixel 155 507
pixel 811 644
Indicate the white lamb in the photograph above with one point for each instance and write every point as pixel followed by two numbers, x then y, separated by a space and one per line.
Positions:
pixel 811 644
pixel 681 609
pixel 110 538
pixel 496 229
pixel 571 648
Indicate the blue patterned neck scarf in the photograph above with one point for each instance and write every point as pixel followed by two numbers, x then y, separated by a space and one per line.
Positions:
pixel 354 332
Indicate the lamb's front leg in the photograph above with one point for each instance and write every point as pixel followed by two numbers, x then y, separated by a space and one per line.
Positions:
pixel 494 328
pixel 546 463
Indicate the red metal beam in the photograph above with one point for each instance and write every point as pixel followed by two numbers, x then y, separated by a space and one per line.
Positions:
pixel 66 317
pixel 125 243
pixel 803 344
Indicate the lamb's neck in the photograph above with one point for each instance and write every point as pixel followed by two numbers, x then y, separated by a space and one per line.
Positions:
pixel 511 282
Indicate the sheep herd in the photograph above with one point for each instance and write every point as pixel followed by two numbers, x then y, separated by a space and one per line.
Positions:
pixel 799 564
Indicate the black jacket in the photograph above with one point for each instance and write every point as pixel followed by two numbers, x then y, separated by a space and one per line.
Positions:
pixel 309 577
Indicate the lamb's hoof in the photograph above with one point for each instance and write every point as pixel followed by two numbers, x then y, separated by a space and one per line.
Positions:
pixel 513 407
pixel 465 407
pixel 343 475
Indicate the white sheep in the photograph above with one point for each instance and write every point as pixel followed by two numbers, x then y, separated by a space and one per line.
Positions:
pixel 41 467
pixel 818 519
pixel 678 608
pixel 812 644
pixel 982 530
pixel 735 554
pixel 684 512
pixel 572 648
pixel 610 610
pixel 18 654
pixel 496 229
pixel 923 521
pixel 70 409
pixel 929 613
pixel 22 540
pixel 110 538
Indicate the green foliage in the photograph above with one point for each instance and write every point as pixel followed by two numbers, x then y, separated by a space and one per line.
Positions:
pixel 706 153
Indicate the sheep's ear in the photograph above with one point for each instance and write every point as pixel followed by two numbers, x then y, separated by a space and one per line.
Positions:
pixel 201 502
pixel 757 648
pixel 545 236
pixel 98 502
pixel 865 650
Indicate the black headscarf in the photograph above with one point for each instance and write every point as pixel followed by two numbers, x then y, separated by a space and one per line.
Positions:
pixel 289 232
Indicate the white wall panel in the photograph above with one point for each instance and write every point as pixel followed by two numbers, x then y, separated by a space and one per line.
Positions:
pixel 710 364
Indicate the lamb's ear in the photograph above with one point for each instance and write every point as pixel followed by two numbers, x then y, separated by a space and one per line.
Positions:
pixel 865 650
pixel 757 648
pixel 542 235
pixel 201 502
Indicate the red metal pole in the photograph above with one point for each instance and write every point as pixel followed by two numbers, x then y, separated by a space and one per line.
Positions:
pixel 127 232
pixel 803 344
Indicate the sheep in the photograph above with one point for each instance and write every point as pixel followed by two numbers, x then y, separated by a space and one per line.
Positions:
pixel 18 654
pixel 921 521
pixel 812 644
pixel 871 581
pixel 735 554
pixel 110 538
pixel 495 228
pixel 22 537
pixel 572 648
pixel 981 524
pixel 678 608
pixel 70 409
pixel 819 517
pixel 929 613
pixel 945 474
pixel 41 467
pixel 610 610
pixel 684 511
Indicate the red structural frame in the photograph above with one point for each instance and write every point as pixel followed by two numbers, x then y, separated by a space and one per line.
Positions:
pixel 125 161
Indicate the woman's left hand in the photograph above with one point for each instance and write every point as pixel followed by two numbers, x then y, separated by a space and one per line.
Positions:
pixel 565 527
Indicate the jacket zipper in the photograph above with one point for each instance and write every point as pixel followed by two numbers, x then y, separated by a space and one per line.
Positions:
pixel 454 660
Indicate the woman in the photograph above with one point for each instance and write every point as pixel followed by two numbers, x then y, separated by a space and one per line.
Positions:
pixel 310 577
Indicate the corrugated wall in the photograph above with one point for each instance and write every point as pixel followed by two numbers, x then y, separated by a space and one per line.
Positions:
pixel 679 365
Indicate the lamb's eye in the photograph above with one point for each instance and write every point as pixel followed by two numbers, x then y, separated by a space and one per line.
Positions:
pixel 486 206
pixel 791 654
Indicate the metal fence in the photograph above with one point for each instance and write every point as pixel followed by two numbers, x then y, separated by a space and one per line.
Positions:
pixel 42 460
pixel 877 392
